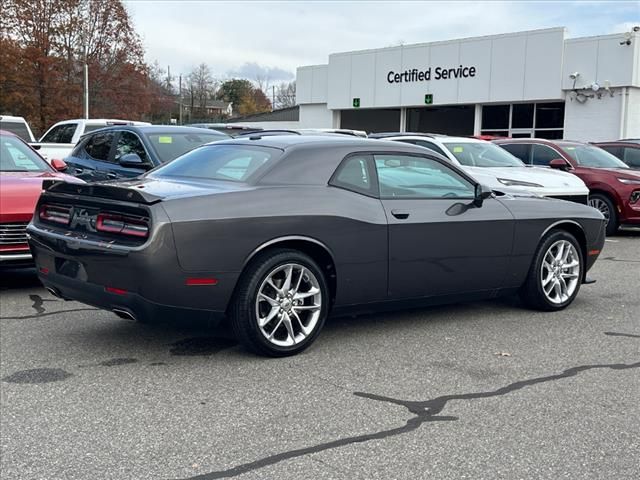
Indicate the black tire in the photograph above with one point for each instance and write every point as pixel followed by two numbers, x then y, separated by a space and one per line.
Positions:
pixel 532 293
pixel 606 205
pixel 242 313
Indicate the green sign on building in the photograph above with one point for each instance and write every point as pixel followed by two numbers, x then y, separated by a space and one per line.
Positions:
pixel 428 99
pixel 356 103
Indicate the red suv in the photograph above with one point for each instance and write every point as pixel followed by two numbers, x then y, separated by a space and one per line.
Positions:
pixel 614 188
pixel 626 150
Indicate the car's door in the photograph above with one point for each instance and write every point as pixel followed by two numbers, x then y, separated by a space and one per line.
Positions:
pixel 126 142
pixel 440 243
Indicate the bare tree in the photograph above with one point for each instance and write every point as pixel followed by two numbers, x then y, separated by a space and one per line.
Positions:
pixel 285 95
pixel 201 87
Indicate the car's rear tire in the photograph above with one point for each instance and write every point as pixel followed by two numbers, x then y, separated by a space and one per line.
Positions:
pixel 608 209
pixel 280 304
pixel 556 273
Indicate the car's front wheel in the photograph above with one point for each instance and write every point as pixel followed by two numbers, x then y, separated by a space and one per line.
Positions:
pixel 608 209
pixel 556 273
pixel 280 304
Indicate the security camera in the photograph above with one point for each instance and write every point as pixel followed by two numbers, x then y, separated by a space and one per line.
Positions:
pixel 574 75
pixel 595 87
pixel 636 29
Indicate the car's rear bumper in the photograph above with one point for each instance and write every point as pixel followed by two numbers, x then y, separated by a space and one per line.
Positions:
pixel 144 281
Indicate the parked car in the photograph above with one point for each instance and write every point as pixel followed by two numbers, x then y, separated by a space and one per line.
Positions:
pixel 626 150
pixel 22 172
pixel 614 187
pixel 498 169
pixel 279 231
pixel 59 140
pixel 18 126
pixel 127 151
pixel 231 129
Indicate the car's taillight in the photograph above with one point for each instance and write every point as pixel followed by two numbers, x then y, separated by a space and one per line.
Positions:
pixel 55 213
pixel 121 224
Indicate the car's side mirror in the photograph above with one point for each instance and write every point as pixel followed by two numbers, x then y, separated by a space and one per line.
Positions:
pixel 59 165
pixel 131 160
pixel 560 164
pixel 481 194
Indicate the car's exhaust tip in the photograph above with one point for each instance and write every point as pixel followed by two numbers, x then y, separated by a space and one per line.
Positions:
pixel 124 314
pixel 54 292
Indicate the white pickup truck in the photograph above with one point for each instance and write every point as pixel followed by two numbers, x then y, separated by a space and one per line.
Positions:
pixel 59 140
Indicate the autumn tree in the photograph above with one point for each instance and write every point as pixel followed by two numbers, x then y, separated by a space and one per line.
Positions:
pixel 245 97
pixel 47 42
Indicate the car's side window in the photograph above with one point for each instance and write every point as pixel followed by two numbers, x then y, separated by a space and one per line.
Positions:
pixel 129 142
pixel 406 176
pixel 632 157
pixel 98 146
pixel 61 134
pixel 426 144
pixel 542 155
pixel 519 150
pixel 354 173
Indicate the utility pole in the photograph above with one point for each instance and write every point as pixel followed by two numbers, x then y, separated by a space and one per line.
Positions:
pixel 273 95
pixel 180 101
pixel 86 84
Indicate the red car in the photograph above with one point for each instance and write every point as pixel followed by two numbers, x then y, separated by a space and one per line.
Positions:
pixel 614 188
pixel 22 171
pixel 626 150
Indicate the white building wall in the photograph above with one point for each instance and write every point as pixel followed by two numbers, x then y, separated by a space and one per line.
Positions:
pixel 316 115
pixel 595 120
pixel 631 126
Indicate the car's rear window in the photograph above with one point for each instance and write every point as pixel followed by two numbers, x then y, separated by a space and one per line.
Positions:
pixel 15 156
pixel 233 163
pixel 171 145
pixel 19 128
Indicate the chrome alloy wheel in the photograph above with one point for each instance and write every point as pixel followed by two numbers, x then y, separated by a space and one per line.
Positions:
pixel 601 205
pixel 560 271
pixel 288 304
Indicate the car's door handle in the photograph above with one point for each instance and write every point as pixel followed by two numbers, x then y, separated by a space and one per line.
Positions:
pixel 79 170
pixel 400 215
pixel 112 175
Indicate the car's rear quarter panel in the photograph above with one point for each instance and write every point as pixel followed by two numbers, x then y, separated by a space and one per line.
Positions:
pixel 221 232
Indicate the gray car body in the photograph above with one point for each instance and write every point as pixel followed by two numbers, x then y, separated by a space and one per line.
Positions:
pixel 444 250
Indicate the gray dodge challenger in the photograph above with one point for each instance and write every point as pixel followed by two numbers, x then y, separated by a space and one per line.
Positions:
pixel 274 233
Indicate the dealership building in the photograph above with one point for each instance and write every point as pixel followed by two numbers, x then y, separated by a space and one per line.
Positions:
pixel 536 83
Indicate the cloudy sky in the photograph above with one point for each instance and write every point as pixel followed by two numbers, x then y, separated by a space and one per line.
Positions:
pixel 273 38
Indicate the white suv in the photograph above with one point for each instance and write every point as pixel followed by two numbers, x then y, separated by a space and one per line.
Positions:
pixel 497 168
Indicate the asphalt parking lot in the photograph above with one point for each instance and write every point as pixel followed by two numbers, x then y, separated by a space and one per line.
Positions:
pixel 477 390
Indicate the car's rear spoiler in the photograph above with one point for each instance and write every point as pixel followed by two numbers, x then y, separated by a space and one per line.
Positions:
pixel 114 192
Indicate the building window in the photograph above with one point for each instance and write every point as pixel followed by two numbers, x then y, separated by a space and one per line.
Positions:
pixel 524 120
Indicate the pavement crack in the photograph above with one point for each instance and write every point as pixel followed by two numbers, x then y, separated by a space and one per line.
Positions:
pixel 617 334
pixel 423 412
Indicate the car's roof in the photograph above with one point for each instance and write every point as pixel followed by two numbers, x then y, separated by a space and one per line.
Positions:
pixel 288 141
pixel 439 138
pixel 539 140
pixel 148 129
pixel 89 121
pixel 628 143
pixel 10 118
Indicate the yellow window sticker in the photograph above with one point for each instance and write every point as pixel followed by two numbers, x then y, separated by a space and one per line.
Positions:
pixel 458 149
pixel 165 139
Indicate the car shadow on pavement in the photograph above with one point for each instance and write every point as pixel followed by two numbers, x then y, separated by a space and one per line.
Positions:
pixel 15 278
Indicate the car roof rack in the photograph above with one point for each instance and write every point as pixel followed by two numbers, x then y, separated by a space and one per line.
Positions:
pixel 268 133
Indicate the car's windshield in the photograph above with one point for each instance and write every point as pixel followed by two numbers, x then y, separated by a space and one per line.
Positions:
pixel 15 156
pixel 234 163
pixel 595 157
pixel 170 145
pixel 482 154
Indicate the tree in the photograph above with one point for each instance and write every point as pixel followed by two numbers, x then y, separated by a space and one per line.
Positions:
pixel 285 95
pixel 45 44
pixel 200 89
pixel 245 97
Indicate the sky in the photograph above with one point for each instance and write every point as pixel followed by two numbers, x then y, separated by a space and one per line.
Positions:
pixel 271 39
